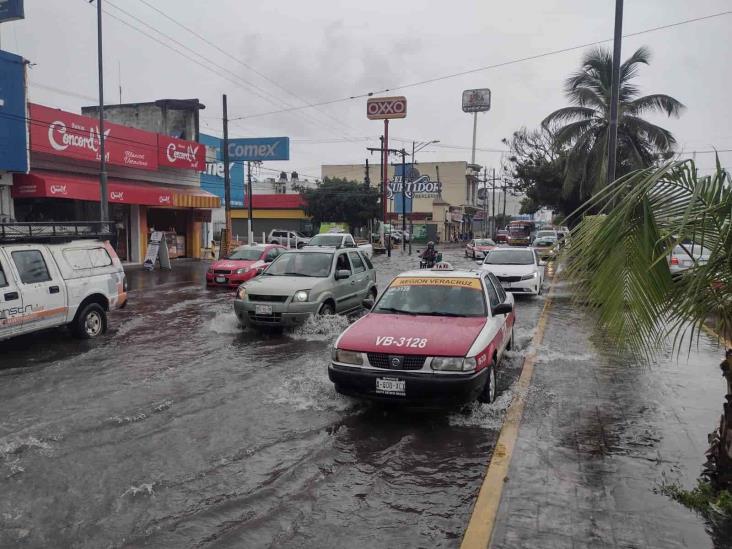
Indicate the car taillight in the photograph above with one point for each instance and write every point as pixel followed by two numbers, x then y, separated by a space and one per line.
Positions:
pixel 674 261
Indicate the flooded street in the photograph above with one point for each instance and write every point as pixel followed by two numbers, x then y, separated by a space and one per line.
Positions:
pixel 178 429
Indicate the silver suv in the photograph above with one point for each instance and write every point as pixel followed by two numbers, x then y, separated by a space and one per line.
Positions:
pixel 300 283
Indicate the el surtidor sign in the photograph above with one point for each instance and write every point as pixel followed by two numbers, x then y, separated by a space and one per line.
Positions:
pixel 422 187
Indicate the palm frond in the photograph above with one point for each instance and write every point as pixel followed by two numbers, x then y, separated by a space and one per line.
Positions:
pixel 657 102
pixel 567 114
pixel 660 138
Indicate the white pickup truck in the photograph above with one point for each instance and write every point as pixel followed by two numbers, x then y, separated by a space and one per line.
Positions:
pixel 341 240
pixel 48 280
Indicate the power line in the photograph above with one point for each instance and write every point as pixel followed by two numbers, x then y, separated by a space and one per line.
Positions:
pixel 494 66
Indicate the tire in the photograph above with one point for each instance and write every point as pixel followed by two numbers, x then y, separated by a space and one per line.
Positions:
pixel 326 309
pixel 489 392
pixel 90 323
pixel 373 294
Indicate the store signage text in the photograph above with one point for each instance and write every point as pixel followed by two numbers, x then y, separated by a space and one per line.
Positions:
pixel 259 149
pixel 178 153
pixel 380 108
pixel 422 187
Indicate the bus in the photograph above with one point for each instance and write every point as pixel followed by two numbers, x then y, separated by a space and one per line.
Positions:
pixel 521 233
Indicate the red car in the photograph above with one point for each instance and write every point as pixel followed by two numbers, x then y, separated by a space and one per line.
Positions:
pixel 243 264
pixel 501 236
pixel 479 247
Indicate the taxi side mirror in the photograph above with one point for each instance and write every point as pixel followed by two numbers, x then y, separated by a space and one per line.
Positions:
pixel 342 274
pixel 502 309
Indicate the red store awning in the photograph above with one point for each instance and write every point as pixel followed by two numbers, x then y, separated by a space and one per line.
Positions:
pixel 61 185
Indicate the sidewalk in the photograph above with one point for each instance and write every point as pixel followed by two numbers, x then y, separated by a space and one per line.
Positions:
pixel 597 434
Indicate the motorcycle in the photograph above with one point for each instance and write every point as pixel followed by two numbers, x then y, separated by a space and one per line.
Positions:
pixel 428 263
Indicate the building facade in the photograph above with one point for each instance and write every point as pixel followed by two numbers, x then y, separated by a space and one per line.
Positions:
pixel 13 132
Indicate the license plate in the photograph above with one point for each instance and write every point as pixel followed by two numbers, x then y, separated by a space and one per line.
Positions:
pixel 220 279
pixel 263 309
pixel 391 386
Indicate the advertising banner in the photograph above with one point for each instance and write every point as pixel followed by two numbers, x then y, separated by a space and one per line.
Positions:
pixel 177 153
pixel 477 100
pixel 259 149
pixel 212 176
pixel 70 135
pixel 417 186
pixel 385 108
pixel 13 128
pixel 11 10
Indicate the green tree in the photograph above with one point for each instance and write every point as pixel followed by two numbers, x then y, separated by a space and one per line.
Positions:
pixel 341 200
pixel 582 128
pixel 619 263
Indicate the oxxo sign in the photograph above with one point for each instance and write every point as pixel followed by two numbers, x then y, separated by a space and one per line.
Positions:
pixel 384 108
pixel 259 149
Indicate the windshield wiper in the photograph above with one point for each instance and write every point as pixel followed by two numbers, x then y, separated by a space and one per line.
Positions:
pixel 295 274
pixel 438 313
pixel 393 310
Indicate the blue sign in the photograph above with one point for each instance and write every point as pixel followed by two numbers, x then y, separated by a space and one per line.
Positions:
pixel 13 131
pixel 10 10
pixel 259 149
pixel 212 179
pixel 397 188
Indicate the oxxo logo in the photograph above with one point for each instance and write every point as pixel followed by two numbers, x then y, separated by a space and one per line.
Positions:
pixel 117 195
pixel 386 107
pixel 58 189
pixel 60 138
pixel 187 155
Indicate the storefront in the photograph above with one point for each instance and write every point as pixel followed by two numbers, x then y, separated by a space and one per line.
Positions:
pixel 272 211
pixel 153 183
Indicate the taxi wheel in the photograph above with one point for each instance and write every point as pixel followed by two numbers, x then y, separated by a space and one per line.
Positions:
pixel 488 394
pixel 326 309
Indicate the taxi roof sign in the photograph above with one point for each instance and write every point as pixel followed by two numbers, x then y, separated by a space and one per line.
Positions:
pixel 443 266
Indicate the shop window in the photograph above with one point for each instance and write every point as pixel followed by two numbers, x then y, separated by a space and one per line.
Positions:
pixel 31 266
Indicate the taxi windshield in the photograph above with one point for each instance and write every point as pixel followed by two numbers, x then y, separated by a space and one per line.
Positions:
pixel 246 254
pixel 461 297
pixel 301 264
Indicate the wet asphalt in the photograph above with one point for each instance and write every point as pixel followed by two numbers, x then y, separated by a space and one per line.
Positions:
pixel 177 429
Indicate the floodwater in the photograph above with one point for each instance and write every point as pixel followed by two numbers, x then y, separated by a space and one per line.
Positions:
pixel 178 429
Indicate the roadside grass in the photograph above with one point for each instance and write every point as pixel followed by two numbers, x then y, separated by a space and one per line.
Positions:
pixel 710 502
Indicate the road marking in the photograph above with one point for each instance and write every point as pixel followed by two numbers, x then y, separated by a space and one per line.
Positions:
pixel 480 528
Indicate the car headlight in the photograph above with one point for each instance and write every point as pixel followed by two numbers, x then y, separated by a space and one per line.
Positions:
pixel 241 293
pixel 452 364
pixel 530 276
pixel 347 357
pixel 242 270
pixel 301 296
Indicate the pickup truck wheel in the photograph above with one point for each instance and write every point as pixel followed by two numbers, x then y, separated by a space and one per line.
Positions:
pixel 488 394
pixel 91 322
pixel 326 309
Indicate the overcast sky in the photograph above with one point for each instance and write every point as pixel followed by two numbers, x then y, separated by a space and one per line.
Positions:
pixel 320 50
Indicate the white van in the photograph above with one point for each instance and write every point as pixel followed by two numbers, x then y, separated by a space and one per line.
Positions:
pixel 49 280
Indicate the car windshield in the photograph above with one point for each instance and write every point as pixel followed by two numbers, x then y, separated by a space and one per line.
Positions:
pixel 510 257
pixel 485 242
pixel 544 234
pixel 433 297
pixel 301 264
pixel 246 253
pixel 326 240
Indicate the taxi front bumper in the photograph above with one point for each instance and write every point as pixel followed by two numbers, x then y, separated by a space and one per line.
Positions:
pixel 420 388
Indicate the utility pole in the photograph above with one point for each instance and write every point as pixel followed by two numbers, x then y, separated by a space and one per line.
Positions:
pixel 404 198
pixel 485 202
pixel 103 194
pixel 250 204
pixel 385 152
pixel 493 204
pixel 225 243
pixel 504 200
pixel 366 177
pixel 615 93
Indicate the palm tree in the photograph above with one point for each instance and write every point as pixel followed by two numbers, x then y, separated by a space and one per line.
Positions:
pixel 619 262
pixel 582 129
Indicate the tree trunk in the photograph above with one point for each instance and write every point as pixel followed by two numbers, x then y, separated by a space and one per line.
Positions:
pixel 718 468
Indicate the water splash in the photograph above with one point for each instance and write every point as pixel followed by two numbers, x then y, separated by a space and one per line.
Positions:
pixel 485 416
pixel 18 446
pixel 224 323
pixel 143 489
pixel 321 327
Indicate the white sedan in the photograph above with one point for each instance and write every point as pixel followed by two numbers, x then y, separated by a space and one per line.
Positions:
pixel 519 269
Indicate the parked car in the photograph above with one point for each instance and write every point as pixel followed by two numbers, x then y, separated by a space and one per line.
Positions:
pixel 47 283
pixel 300 283
pixel 292 239
pixel 686 256
pixel 434 338
pixel 341 240
pixel 518 269
pixel 479 247
pixel 501 237
pixel 243 264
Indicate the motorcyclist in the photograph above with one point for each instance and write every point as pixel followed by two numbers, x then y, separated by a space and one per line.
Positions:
pixel 429 256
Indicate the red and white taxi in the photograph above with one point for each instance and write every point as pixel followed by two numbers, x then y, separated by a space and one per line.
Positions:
pixel 243 264
pixel 433 338
pixel 479 247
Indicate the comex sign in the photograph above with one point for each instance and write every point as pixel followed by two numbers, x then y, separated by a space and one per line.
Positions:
pixel 259 149
pixel 422 187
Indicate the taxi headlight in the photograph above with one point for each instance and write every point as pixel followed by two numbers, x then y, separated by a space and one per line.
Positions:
pixel 448 364
pixel 242 270
pixel 241 293
pixel 347 357
pixel 301 296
